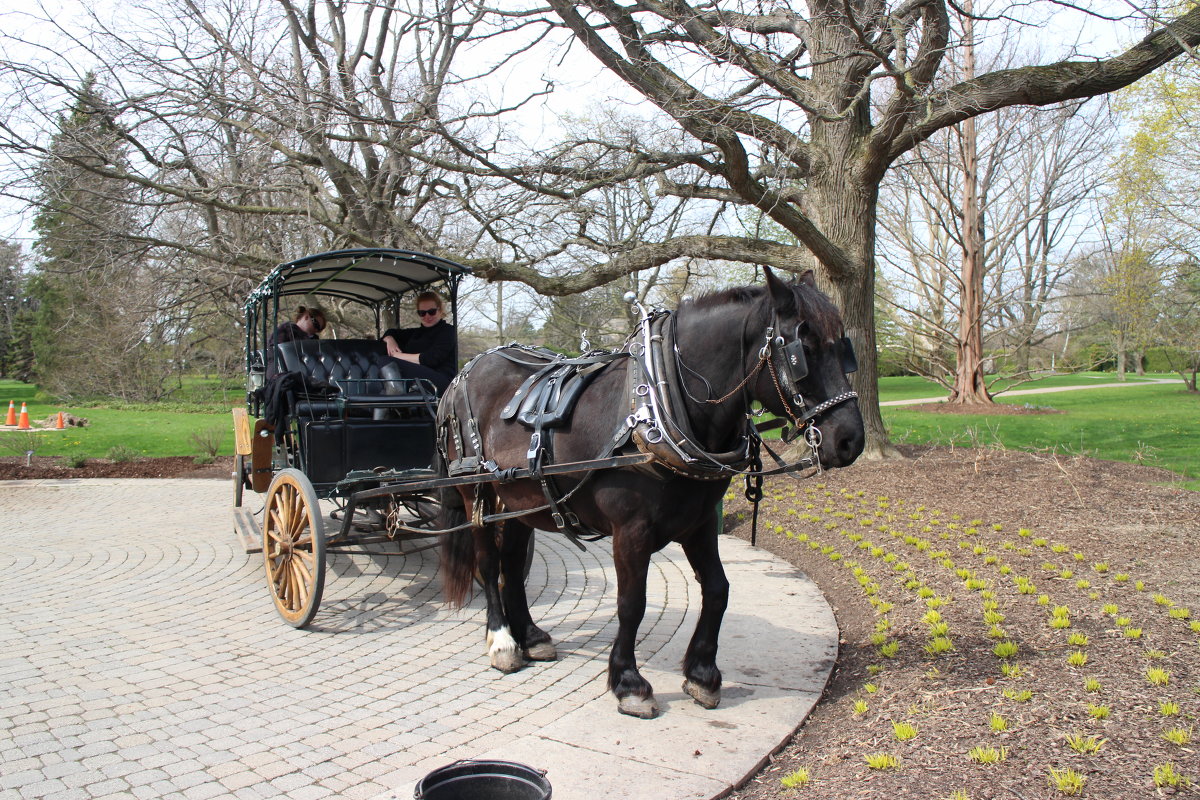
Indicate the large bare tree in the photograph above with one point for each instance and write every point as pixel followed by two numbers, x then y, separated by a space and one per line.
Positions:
pixel 799 112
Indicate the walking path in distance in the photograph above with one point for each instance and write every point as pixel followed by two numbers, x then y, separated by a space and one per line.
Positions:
pixel 1046 390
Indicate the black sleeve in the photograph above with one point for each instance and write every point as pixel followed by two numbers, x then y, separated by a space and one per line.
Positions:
pixel 399 334
pixel 438 354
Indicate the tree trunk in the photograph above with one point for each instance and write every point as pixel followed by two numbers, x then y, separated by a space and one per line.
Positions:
pixel 1139 362
pixel 1120 356
pixel 970 388
pixel 846 214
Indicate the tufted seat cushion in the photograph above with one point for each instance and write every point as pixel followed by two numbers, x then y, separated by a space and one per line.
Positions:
pixel 356 367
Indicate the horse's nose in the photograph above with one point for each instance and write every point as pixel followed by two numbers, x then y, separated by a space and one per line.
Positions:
pixel 848 444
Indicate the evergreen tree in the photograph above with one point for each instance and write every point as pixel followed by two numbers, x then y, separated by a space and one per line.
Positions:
pixel 94 330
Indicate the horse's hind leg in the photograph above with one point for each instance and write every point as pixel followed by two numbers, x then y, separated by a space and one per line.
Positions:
pixel 534 642
pixel 634 694
pixel 702 678
pixel 504 652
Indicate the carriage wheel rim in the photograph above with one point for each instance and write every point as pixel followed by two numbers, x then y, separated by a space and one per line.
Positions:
pixel 293 548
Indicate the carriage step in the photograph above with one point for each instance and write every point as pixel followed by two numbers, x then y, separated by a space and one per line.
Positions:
pixel 247 530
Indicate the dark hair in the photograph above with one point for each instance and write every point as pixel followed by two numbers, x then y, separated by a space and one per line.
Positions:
pixel 312 311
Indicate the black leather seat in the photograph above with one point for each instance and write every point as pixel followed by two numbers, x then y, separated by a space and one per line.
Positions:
pixel 358 368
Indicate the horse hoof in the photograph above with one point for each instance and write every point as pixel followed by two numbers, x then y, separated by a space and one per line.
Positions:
pixel 544 651
pixel 705 697
pixel 507 660
pixel 640 707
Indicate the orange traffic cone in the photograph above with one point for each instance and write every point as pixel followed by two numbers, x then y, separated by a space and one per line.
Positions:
pixel 23 422
pixel 61 424
pixel 12 414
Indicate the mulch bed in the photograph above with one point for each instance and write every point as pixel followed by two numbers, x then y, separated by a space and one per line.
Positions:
pixel 1084 533
pixel 44 467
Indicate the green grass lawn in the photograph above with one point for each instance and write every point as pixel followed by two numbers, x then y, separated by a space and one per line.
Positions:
pixel 152 430
pixel 1157 425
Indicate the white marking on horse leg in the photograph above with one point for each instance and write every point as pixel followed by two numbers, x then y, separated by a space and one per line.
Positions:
pixel 503 651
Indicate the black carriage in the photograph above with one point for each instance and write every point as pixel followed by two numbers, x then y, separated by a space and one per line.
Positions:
pixel 323 421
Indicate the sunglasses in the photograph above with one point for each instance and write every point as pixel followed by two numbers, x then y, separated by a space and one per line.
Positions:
pixel 426 312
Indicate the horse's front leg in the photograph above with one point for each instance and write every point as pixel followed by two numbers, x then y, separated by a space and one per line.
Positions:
pixel 534 642
pixel 634 694
pixel 702 679
pixel 503 651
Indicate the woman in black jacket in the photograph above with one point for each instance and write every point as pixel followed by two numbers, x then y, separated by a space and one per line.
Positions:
pixel 427 351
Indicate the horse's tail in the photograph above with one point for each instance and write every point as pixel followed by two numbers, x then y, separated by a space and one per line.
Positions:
pixel 458 548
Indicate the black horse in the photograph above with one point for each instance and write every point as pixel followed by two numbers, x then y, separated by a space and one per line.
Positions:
pixel 686 403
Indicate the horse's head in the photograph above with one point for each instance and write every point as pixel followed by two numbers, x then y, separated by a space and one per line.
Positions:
pixel 809 359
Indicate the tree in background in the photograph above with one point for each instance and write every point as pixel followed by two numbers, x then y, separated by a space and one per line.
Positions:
pixel 16 314
pixel 95 328
pixel 799 113
pixel 1038 174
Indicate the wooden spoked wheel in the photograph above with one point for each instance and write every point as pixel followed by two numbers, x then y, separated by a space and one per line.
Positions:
pixel 294 547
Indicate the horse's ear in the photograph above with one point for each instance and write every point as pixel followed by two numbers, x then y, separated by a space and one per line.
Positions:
pixel 782 297
pixel 809 277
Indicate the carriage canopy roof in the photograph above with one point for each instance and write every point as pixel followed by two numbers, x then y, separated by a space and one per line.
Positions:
pixel 366 275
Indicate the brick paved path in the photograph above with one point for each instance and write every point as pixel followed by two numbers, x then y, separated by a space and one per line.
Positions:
pixel 140 656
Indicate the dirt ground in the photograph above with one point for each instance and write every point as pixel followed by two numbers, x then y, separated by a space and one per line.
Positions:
pixel 1108 549
pixel 1086 568
pixel 43 467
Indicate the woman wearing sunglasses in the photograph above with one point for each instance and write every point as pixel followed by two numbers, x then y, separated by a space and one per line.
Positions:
pixel 426 351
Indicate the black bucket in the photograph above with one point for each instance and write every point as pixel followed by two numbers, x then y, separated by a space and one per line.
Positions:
pixel 484 780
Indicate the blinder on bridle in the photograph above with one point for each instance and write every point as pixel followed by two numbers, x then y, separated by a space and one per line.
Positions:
pixel 792 365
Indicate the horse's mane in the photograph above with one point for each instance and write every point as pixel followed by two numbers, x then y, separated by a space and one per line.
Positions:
pixel 812 304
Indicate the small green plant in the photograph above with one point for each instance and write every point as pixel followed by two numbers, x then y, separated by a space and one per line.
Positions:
pixel 1110 609
pixel 76 459
pixel 860 707
pixel 997 723
pixel 796 779
pixel 1178 736
pixel 1022 696
pixel 1157 676
pixel 1168 776
pixel 904 731
pixel 939 645
pixel 1162 600
pixel 1077 658
pixel 890 649
pixel 1100 712
pixel 1006 649
pixel 883 761
pixel 1168 708
pixel 1179 613
pixel 1133 633
pixel 1085 745
pixel 1091 685
pixel 1066 781
pixel 871 688
pixel 1011 670
pixel 982 754
pixel 1153 654
pixel 1077 639
pixel 120 454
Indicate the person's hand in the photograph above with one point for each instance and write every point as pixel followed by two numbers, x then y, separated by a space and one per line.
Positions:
pixel 393 349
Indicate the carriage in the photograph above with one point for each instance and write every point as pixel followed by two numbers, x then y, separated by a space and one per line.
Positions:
pixel 638 444
pixel 322 422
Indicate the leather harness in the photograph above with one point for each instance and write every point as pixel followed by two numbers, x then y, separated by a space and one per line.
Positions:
pixel 658 423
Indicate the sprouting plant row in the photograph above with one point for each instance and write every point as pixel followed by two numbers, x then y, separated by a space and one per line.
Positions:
pixel 939 642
